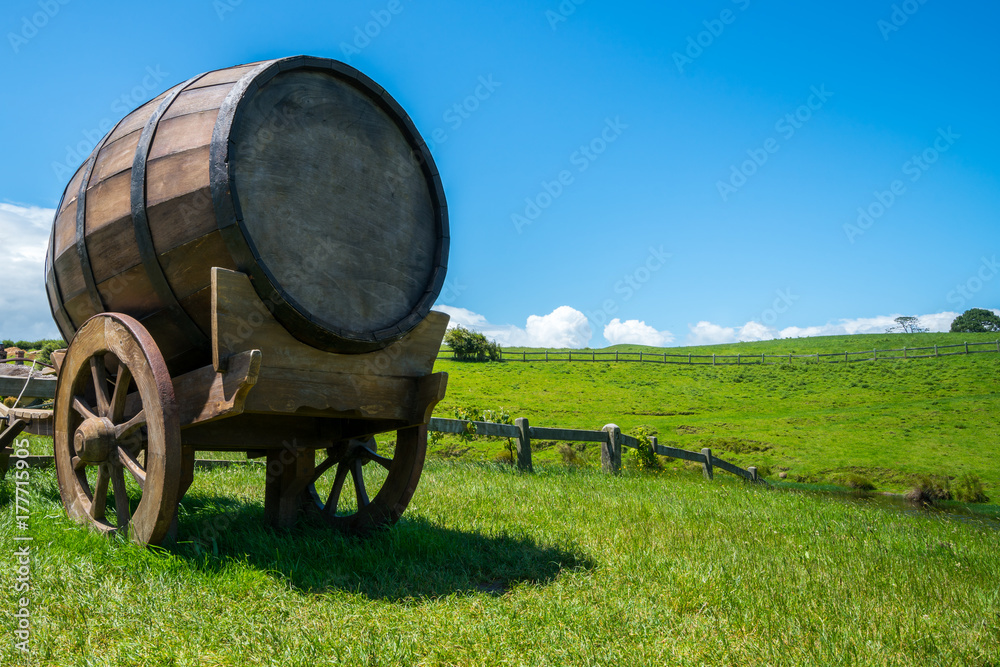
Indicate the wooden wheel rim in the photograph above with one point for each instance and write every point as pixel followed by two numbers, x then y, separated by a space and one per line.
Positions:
pixel 392 498
pixel 135 350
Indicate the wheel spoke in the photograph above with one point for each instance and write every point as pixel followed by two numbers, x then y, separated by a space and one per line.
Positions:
pixel 322 468
pixel 131 425
pixel 372 456
pixel 100 496
pixel 359 483
pixel 100 375
pixel 121 498
pixel 120 393
pixel 131 464
pixel 82 408
pixel 338 486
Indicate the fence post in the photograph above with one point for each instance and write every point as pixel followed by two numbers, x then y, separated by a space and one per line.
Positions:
pixel 706 467
pixel 875 352
pixel 713 358
pixel 737 359
pixel 19 355
pixel 689 357
pixel 655 443
pixel 753 473
pixel 640 352
pixel 761 358
pixel 611 449
pixel 546 355
pixel 570 357
pixel 966 349
pixel 523 444
pixel 904 352
pixel 845 357
pixel 936 351
pixel 616 355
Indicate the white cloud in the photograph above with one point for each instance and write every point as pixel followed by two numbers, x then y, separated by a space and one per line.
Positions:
pixel 563 327
pixel 937 322
pixel 707 333
pixel 462 317
pixel 757 331
pixel 635 332
pixel 24 306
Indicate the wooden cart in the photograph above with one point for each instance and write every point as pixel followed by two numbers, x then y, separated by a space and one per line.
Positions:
pixel 126 432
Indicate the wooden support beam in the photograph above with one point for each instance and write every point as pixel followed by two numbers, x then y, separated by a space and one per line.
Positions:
pixel 289 471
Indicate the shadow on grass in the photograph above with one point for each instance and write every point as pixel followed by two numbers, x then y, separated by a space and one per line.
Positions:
pixel 413 560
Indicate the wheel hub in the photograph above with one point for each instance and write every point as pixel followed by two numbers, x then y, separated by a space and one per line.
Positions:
pixel 95 440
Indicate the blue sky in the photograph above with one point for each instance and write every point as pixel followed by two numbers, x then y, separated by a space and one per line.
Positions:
pixel 692 170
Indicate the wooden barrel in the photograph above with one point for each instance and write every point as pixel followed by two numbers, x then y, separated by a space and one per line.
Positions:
pixel 301 172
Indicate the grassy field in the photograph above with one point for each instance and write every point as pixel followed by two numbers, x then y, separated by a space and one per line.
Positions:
pixel 887 422
pixel 571 566
pixel 490 567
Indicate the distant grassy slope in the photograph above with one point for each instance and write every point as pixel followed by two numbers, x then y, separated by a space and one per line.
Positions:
pixel 809 345
pixel 888 420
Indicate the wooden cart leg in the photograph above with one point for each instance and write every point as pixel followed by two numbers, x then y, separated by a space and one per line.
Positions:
pixel 187 478
pixel 289 472
pixel 187 471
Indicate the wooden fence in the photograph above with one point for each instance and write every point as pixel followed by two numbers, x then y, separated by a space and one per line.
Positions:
pixel 741 359
pixel 611 439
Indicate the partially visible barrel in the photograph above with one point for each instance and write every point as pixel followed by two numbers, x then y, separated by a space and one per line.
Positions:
pixel 301 172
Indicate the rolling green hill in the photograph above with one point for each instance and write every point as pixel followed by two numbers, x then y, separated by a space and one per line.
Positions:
pixel 887 421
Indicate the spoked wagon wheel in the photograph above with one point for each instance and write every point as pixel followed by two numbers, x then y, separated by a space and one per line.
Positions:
pixel 380 488
pixel 112 448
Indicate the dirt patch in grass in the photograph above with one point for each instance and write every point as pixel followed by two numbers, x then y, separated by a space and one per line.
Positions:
pixel 736 445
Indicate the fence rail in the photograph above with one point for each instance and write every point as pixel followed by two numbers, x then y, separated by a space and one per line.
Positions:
pixel 740 359
pixel 611 439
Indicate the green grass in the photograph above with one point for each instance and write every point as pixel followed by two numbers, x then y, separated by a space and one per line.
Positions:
pixel 807 345
pixel 489 567
pixel 888 422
